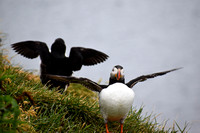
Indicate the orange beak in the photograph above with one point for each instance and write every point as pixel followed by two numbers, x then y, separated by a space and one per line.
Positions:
pixel 118 75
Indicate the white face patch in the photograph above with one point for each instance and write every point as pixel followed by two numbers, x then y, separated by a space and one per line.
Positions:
pixel 114 71
pixel 122 72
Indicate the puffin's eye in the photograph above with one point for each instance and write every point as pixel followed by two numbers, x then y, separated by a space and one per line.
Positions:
pixel 114 69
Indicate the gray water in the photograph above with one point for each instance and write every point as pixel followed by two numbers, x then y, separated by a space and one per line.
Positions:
pixel 143 36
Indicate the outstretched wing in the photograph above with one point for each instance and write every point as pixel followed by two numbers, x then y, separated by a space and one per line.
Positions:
pixel 83 81
pixel 31 49
pixel 145 77
pixel 85 56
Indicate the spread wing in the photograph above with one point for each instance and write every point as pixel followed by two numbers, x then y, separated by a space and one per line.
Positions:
pixel 31 49
pixel 83 81
pixel 145 77
pixel 85 56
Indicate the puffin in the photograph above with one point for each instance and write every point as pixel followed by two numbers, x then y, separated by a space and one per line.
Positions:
pixel 116 98
pixel 55 62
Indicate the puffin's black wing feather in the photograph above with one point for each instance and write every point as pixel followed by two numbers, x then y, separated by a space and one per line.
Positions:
pixel 83 81
pixel 85 56
pixel 103 86
pixel 145 77
pixel 31 49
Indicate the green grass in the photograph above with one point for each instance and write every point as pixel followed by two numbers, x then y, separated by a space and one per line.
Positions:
pixel 28 106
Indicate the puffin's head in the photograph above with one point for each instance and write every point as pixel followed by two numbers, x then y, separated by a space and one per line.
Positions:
pixel 58 47
pixel 117 73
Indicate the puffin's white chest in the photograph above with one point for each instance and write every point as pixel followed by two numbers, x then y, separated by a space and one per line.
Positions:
pixel 116 101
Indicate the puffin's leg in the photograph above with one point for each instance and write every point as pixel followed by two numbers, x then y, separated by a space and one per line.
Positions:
pixel 121 126
pixel 106 124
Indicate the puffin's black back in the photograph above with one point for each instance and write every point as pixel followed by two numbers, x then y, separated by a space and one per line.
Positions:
pixel 55 62
pixel 55 66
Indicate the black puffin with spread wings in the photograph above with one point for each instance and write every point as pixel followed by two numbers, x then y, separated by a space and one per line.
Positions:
pixel 55 62
pixel 115 99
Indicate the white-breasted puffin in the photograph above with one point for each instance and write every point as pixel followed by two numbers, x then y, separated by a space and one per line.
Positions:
pixel 55 62
pixel 115 99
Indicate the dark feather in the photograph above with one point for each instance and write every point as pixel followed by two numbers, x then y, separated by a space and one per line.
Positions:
pixel 30 49
pixel 83 81
pixel 145 77
pixel 87 56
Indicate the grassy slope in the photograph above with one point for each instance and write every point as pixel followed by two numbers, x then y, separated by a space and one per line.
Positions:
pixel 44 110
